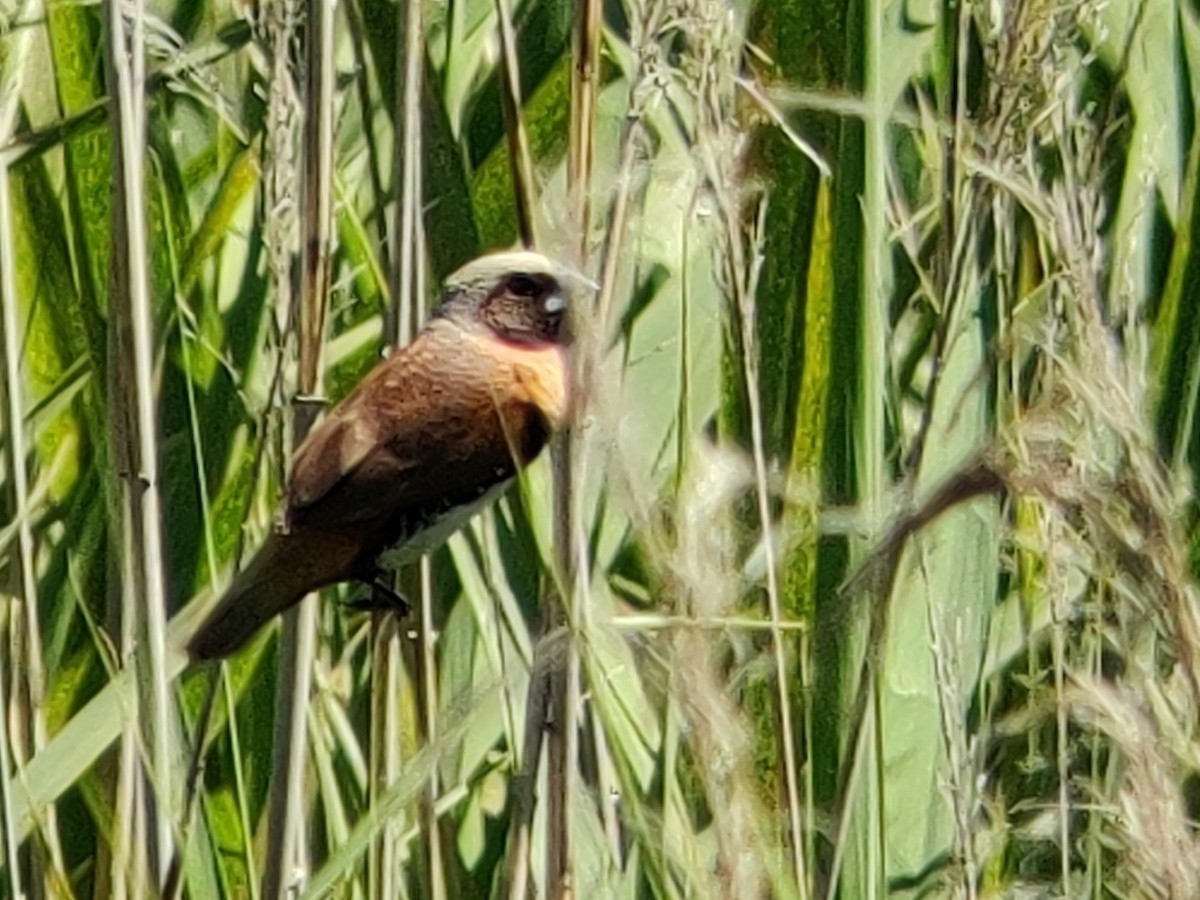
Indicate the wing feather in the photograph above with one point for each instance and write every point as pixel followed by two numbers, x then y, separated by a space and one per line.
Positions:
pixel 422 432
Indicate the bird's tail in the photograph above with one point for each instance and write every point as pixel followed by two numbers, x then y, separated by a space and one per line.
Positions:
pixel 266 587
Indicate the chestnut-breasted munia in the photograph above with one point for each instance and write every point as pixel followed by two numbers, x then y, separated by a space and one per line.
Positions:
pixel 429 435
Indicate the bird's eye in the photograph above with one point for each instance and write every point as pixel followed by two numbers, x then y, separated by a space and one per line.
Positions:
pixel 523 286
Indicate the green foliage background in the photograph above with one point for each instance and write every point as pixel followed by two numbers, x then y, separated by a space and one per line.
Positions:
pixel 865 570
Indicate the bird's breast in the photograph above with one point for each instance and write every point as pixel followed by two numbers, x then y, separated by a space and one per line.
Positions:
pixel 526 397
pixel 534 375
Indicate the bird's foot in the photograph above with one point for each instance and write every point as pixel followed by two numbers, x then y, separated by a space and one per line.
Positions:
pixel 382 598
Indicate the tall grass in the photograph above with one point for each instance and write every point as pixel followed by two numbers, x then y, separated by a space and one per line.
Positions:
pixel 865 567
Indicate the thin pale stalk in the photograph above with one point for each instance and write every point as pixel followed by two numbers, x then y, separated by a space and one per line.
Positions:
pixel 407 277
pixel 877 846
pixel 287 824
pixel 607 790
pixel 742 263
pixel 569 467
pixel 876 579
pixel 128 812
pixel 286 849
pixel 173 884
pixel 1063 750
pixel 515 882
pixel 317 210
pixel 239 789
pixel 411 310
pixel 672 793
pixel 774 606
pixel 650 622
pixel 195 427
pixel 375 161
pixel 947 680
pixel 954 250
pixel 871 454
pixel 406 283
pixel 386 665
pixel 956 205
pixel 584 87
pixel 683 430
pixel 132 323
pixel 12 870
pixel 873 354
pixel 520 160
pixel 173 887
pixel 563 776
pixel 404 792
pixel 643 33
pixel 846 788
pixel 426 658
pixel 781 122
pixel 804 665
pixel 25 641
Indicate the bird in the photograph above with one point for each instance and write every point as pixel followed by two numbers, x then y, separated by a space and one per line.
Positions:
pixel 431 434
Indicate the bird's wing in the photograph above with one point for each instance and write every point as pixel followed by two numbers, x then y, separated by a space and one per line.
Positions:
pixel 336 448
pixel 421 430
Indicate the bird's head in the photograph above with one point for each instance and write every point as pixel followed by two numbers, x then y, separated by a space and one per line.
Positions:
pixel 521 296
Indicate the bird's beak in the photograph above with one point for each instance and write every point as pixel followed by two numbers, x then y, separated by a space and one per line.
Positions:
pixel 574 289
pixel 575 286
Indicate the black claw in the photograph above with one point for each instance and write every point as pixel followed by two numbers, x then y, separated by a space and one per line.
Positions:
pixel 382 599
